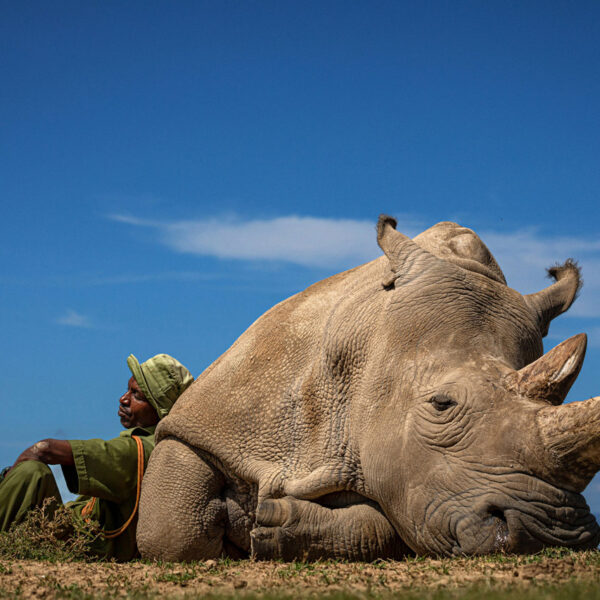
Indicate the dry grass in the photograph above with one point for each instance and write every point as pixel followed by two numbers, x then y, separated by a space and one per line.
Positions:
pixel 38 560
pixel 557 575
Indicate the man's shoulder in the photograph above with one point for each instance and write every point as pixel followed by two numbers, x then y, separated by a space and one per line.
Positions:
pixel 139 431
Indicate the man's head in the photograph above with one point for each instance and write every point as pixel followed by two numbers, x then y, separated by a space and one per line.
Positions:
pixel 152 390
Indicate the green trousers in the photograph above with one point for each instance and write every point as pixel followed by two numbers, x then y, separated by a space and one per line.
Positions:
pixel 26 486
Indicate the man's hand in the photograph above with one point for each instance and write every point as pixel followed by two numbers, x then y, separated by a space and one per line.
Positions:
pixel 50 452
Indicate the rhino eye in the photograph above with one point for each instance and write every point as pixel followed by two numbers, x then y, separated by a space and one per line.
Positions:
pixel 442 403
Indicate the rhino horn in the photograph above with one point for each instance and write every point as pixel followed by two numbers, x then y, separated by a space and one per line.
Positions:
pixel 550 377
pixel 402 252
pixel 558 297
pixel 571 439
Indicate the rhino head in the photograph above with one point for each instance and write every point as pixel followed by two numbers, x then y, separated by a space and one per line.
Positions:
pixel 469 448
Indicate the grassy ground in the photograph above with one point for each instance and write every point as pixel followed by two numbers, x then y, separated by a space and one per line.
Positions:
pixel 495 578
pixel 38 561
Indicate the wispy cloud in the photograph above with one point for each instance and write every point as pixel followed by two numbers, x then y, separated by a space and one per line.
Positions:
pixel 308 241
pixel 120 279
pixel 154 277
pixel 524 255
pixel 74 319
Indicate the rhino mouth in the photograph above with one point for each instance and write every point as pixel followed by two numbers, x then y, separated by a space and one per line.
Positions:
pixel 522 514
pixel 525 526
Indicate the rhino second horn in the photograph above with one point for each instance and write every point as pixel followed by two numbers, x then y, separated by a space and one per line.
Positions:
pixel 571 439
pixel 550 377
pixel 557 298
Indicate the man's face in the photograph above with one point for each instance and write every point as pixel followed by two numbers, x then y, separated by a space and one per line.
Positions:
pixel 134 409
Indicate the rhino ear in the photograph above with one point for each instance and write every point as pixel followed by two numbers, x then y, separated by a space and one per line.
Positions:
pixel 557 298
pixel 401 251
pixel 550 377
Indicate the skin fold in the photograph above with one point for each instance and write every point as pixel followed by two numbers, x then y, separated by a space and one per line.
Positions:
pixel 404 406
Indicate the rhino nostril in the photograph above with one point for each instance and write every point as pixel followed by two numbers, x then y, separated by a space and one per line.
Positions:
pixel 496 513
pixel 500 531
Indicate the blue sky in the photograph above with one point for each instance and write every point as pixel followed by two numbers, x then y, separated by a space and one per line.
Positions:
pixel 170 170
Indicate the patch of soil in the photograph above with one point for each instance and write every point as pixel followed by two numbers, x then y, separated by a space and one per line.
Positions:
pixel 37 579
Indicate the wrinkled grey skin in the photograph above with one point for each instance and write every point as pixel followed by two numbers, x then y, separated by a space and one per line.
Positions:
pixel 402 406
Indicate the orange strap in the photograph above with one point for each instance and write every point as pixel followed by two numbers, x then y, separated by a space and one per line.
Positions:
pixel 86 511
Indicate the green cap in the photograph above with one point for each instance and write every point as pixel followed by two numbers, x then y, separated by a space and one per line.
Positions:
pixel 162 379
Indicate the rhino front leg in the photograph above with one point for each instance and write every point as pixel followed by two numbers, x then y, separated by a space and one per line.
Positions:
pixel 182 515
pixel 292 529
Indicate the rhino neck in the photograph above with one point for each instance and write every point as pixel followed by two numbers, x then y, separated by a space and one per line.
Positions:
pixel 311 351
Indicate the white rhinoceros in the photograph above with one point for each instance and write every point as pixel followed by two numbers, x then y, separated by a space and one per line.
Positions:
pixel 403 405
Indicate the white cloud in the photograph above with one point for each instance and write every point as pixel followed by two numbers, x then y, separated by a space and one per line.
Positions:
pixel 307 241
pixel 154 277
pixel 74 319
pixel 524 255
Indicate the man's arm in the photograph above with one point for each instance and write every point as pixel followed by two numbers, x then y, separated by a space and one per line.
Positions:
pixel 50 452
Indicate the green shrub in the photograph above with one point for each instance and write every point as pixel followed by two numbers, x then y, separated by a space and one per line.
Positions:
pixel 46 536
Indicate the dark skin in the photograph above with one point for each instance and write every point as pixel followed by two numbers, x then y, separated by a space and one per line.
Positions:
pixel 134 411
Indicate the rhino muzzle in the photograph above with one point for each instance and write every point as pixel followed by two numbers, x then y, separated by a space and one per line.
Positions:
pixel 505 523
pixel 552 512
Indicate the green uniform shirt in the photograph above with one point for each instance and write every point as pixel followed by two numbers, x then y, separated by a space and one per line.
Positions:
pixel 107 470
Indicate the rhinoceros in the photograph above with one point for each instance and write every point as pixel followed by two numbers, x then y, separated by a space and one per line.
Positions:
pixel 403 406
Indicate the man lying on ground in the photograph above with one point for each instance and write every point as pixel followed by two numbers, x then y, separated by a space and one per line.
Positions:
pixel 106 473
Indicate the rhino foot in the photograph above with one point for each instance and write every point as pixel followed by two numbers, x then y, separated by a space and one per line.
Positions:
pixel 291 529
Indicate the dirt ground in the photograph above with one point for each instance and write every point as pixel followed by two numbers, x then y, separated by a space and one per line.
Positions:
pixel 33 579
